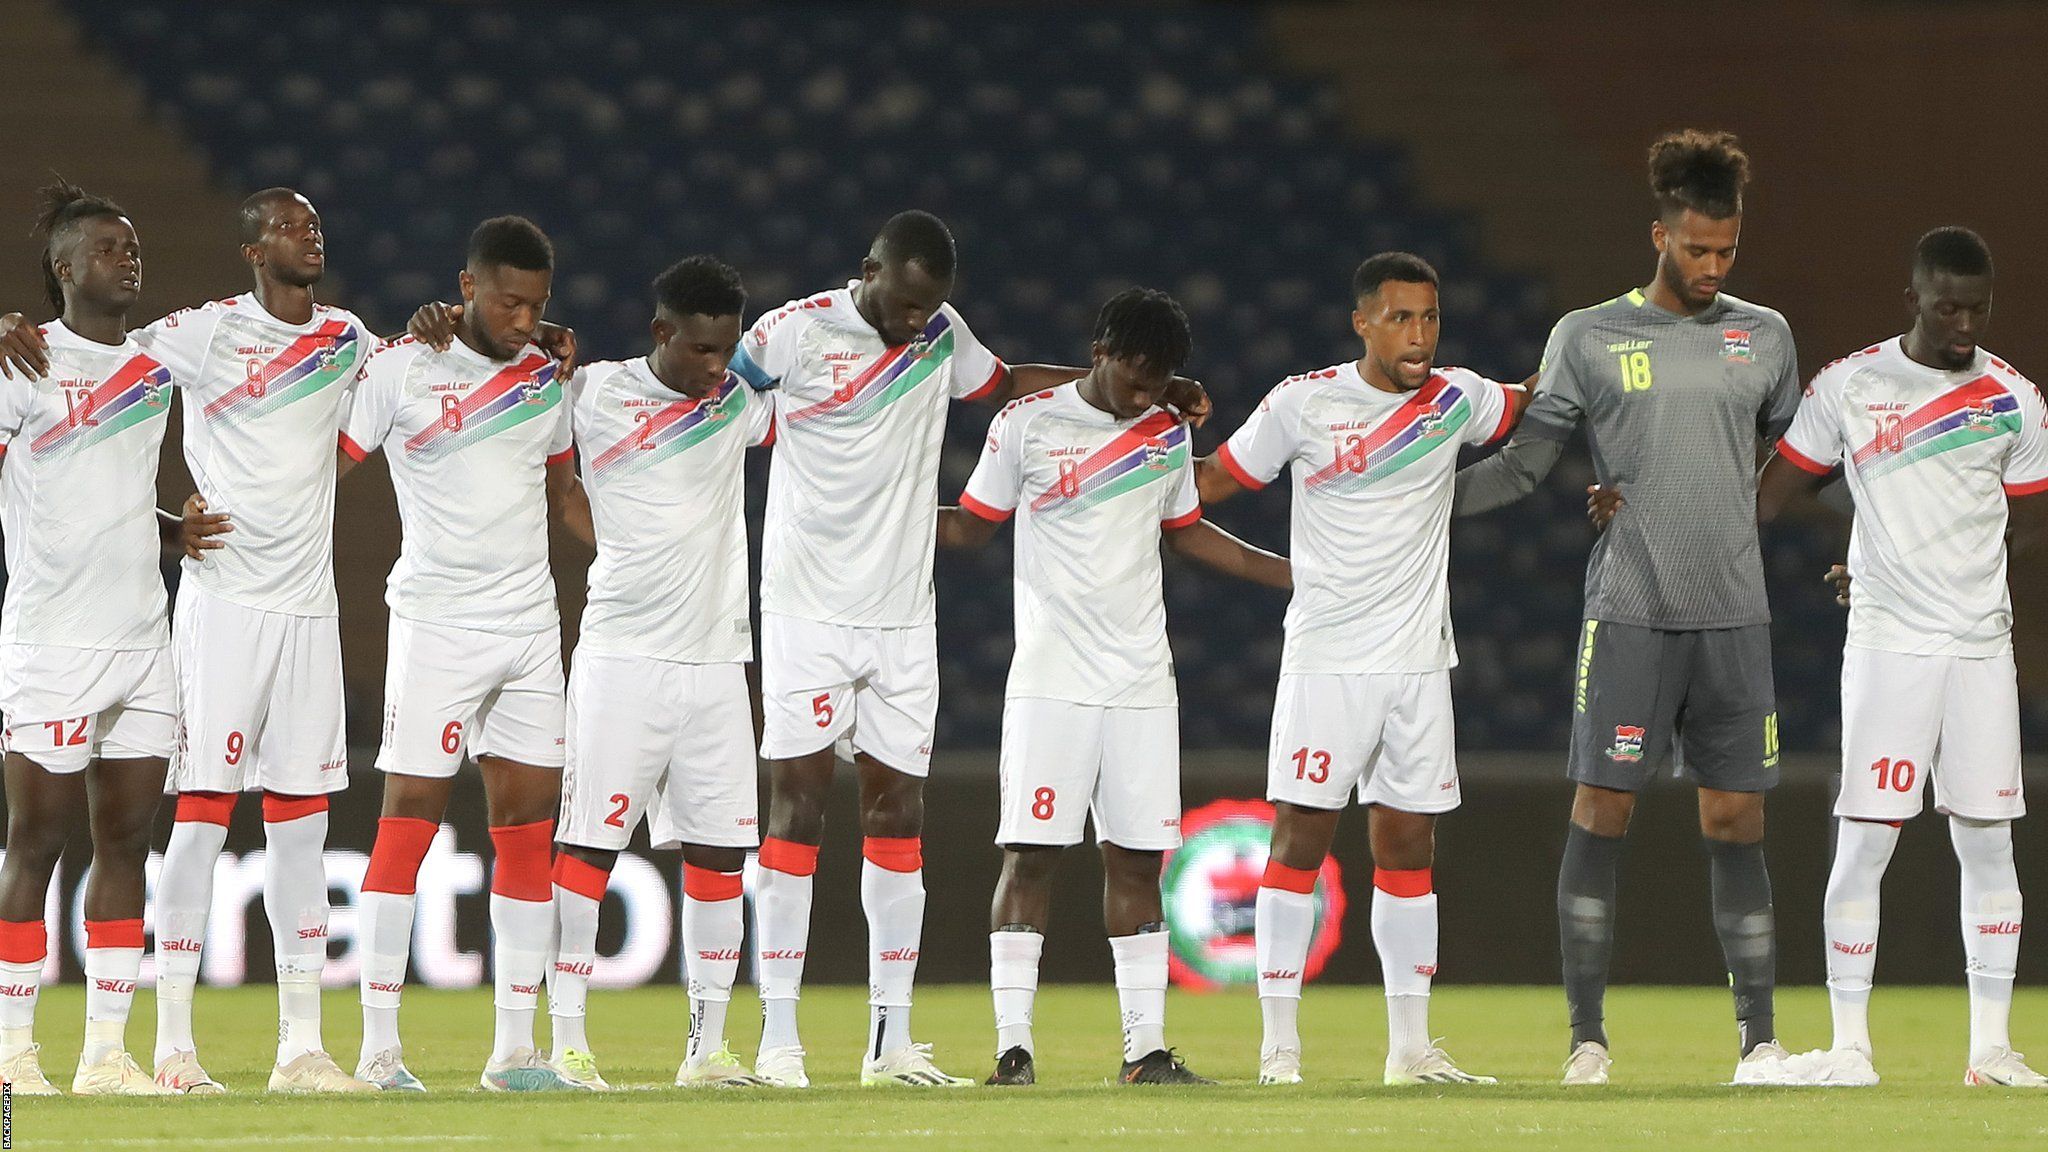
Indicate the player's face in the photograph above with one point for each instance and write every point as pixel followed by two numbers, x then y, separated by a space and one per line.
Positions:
pixel 1951 313
pixel 1130 384
pixel 293 248
pixel 1400 325
pixel 691 352
pixel 104 266
pixel 502 307
pixel 900 298
pixel 1695 254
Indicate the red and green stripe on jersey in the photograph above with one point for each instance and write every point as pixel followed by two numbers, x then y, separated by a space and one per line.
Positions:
pixel 1424 422
pixel 891 377
pixel 1967 414
pixel 672 429
pixel 133 394
pixel 1153 449
pixel 516 393
pixel 309 364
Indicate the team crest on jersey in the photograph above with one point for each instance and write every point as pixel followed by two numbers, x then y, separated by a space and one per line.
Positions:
pixel 533 390
pixel 1156 454
pixel 1981 416
pixel 1429 420
pixel 1628 744
pixel 1735 346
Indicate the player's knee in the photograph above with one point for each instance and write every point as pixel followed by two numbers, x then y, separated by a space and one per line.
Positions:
pixel 1741 822
pixel 892 805
pixel 1603 811
pixel 696 856
pixel 1131 867
pixel 1030 866
pixel 35 844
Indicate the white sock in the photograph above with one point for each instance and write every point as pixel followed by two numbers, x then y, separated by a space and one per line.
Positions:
pixel 1282 923
pixel 295 899
pixel 110 975
pixel 1141 991
pixel 1863 850
pixel 1991 927
pixel 1404 932
pixel 184 896
pixel 20 984
pixel 1013 980
pixel 384 924
pixel 712 932
pixel 569 975
pixel 894 902
pixel 782 929
pixel 521 931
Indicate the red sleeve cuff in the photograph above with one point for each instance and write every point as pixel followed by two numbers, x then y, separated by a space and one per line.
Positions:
pixel 1507 417
pixel 990 514
pixel 1801 460
pixel 2028 488
pixel 1236 470
pixel 1179 522
pixel 356 452
pixel 988 385
pixel 564 454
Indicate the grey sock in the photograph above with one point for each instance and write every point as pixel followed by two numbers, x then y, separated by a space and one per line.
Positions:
pixel 1748 929
pixel 1585 928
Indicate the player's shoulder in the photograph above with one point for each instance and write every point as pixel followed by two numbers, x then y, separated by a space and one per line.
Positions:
pixel 1464 377
pixel 195 315
pixel 334 313
pixel 1835 372
pixel 592 379
pixel 1762 314
pixel 1580 321
pixel 1296 389
pixel 792 317
pixel 394 355
pixel 2008 376
pixel 1025 408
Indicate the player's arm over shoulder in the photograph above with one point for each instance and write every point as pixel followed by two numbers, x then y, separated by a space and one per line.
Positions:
pixel 768 349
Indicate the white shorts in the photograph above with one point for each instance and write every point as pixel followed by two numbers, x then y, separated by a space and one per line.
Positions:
pixel 1906 718
pixel 1063 762
pixel 261 698
pixel 673 742
pixel 877 686
pixel 65 707
pixel 447 690
pixel 1387 735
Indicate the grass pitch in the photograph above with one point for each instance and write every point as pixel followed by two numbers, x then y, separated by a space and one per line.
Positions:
pixel 1673 1047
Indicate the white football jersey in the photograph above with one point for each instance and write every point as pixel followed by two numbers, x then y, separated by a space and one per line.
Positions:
pixel 1930 457
pixel 78 496
pixel 853 489
pixel 665 478
pixel 468 439
pixel 261 407
pixel 1370 524
pixel 1091 492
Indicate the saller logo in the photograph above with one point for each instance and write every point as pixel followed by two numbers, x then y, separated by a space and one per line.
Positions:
pixel 2002 928
pixel 573 967
pixel 119 987
pixel 17 989
pixel 179 945
pixel 393 987
pixel 719 954
pixel 1628 743
pixel 1860 948
pixel 783 954
pixel 904 954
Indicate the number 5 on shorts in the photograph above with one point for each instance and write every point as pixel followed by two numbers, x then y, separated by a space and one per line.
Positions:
pixel 821 707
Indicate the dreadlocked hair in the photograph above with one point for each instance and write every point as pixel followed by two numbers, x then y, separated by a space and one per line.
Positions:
pixel 1144 323
pixel 65 206
pixel 1703 171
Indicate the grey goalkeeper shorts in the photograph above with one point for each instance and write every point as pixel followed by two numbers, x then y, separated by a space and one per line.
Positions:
pixel 1643 693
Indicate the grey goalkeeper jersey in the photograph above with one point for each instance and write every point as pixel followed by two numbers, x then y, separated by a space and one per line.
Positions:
pixel 1673 407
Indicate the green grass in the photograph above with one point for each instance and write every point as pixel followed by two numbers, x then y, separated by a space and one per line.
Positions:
pixel 1673 1048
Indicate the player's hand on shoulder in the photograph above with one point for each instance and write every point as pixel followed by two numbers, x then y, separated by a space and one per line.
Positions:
pixel 434 324
pixel 1838 575
pixel 198 529
pixel 22 348
pixel 560 343
pixel 1188 398
pixel 1602 502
